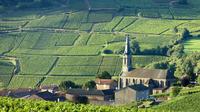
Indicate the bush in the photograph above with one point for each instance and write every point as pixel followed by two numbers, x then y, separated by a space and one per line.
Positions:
pixel 90 85
pixel 185 34
pixel 175 30
pixel 185 81
pixel 107 51
pixel 64 85
pixel 135 47
pixel 198 79
pixel 175 91
pixel 104 75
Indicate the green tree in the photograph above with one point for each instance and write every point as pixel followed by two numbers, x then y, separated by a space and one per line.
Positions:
pixel 64 85
pixel 179 71
pixel 188 67
pixel 135 47
pixel 90 85
pixel 175 30
pixel 158 65
pixel 176 50
pixel 107 51
pixel 185 80
pixel 198 79
pixel 185 34
pixel 104 75
pixel 197 68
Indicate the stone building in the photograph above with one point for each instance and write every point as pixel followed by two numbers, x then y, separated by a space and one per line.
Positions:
pixel 131 93
pixel 154 78
pixel 49 88
pixel 104 84
pixel 91 94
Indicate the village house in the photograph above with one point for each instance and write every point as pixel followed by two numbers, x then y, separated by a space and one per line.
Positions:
pixel 37 94
pixel 131 93
pixel 46 95
pixel 153 78
pixel 18 93
pixel 104 84
pixel 91 94
pixel 49 88
pixel 159 90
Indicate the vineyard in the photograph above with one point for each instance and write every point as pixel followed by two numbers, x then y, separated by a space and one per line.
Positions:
pixel 192 45
pixel 179 104
pixel 6 72
pixel 182 103
pixel 53 44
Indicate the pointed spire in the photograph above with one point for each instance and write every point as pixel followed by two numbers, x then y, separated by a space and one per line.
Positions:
pixel 127 57
pixel 127 47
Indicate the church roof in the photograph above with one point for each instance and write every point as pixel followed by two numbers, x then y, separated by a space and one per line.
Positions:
pixel 148 73
pixel 136 87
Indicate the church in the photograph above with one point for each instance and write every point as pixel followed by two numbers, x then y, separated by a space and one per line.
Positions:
pixel 153 78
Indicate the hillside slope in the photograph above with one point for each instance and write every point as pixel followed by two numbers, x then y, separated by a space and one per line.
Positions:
pixel 180 104
pixel 189 103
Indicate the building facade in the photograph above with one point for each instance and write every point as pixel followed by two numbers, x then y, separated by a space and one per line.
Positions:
pixel 105 84
pixel 154 78
pixel 91 94
pixel 131 93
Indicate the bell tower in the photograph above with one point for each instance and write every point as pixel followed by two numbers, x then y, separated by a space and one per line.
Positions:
pixel 127 57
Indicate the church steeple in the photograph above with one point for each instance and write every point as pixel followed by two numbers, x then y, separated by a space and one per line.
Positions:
pixel 127 57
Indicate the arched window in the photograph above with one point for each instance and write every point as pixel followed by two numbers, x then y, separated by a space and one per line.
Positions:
pixel 140 81
pixel 133 81
pixel 127 82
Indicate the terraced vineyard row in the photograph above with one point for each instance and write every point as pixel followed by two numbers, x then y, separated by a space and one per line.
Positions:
pixel 6 72
pixel 33 68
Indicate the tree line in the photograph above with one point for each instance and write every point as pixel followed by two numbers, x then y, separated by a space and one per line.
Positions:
pixel 65 85
pixel 24 4
pixel 173 48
